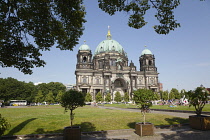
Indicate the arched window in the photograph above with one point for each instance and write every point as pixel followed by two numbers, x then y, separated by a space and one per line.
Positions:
pixel 97 81
pixel 150 62
pixel 84 59
pixel 118 83
pixel 100 65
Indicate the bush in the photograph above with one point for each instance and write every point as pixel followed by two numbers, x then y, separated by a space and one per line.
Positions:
pixel 4 125
pixel 198 99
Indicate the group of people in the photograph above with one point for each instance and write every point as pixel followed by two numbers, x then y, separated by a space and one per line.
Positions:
pixel 174 103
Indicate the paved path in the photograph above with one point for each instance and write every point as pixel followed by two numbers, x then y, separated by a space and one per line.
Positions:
pixel 176 114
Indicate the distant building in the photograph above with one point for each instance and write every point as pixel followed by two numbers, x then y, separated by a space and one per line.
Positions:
pixel 70 86
pixel 208 90
pixel 108 71
pixel 161 86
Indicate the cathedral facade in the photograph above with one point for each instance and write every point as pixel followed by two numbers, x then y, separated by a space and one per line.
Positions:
pixel 107 70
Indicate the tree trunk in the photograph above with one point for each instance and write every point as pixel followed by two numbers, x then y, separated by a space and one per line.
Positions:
pixel 71 117
pixel 143 114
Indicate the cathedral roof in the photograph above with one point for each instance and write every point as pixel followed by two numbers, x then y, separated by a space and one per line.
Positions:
pixel 84 47
pixel 146 51
pixel 109 45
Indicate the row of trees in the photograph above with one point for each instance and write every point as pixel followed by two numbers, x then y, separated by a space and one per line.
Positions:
pixel 173 94
pixel 12 89
pixel 117 98
pixel 108 98
pixel 164 95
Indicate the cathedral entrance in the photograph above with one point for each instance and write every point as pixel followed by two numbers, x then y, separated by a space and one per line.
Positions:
pixel 119 86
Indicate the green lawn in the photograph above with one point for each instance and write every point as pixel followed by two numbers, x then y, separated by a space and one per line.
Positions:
pixel 206 107
pixel 52 119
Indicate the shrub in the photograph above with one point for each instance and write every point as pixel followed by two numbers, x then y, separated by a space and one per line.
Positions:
pixel 4 125
pixel 198 99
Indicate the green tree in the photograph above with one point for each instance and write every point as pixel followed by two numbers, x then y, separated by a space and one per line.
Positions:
pixel 88 97
pixel 71 100
pixel 171 96
pixel 39 98
pixel 30 92
pixel 43 87
pixel 47 22
pixel 126 97
pixel 49 98
pixel 156 96
pixel 143 98
pixel 11 88
pixel 117 97
pixel 174 94
pixel 161 94
pixel 55 87
pixel 4 125
pixel 108 97
pixel 99 97
pixel 198 99
pixel 59 96
pixel 137 10
pixel 165 95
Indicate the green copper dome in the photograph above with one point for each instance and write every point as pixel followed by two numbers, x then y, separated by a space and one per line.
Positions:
pixel 84 47
pixel 146 51
pixel 109 45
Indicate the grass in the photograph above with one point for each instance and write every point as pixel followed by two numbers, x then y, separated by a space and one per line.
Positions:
pixel 206 107
pixel 52 119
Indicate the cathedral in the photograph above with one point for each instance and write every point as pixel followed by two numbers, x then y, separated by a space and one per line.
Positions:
pixel 107 70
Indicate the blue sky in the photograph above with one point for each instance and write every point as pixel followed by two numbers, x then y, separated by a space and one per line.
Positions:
pixel 182 57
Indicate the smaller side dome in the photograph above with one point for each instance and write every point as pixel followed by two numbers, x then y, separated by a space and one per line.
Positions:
pixel 146 51
pixel 84 47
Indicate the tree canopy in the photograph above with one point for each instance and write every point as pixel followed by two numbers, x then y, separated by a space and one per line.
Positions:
pixel 50 98
pixel 126 97
pixel 108 97
pixel 138 8
pixel 4 125
pixel 12 89
pixel 99 97
pixel 143 98
pixel 71 100
pixel 118 97
pixel 88 97
pixel 198 99
pixel 174 94
pixel 28 27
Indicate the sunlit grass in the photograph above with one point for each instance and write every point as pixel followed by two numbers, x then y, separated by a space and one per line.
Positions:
pixel 52 119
